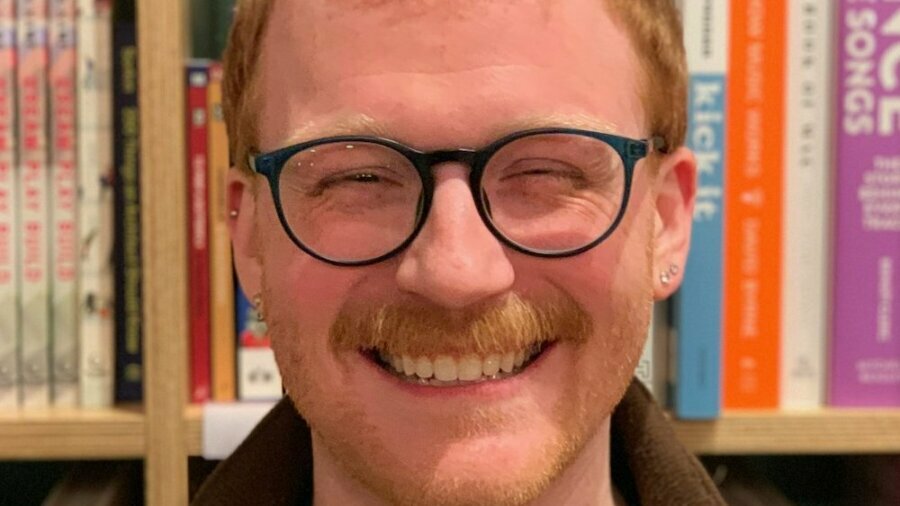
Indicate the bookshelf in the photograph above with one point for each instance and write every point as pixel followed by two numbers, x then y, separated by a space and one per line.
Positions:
pixel 819 432
pixel 166 430
pixel 116 433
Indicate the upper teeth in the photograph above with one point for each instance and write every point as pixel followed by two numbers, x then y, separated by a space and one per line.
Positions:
pixel 467 368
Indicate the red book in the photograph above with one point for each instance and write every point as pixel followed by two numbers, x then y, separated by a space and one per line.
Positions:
pixel 198 232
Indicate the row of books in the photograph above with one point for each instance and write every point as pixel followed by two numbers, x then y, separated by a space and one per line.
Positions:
pixel 225 365
pixel 56 201
pixel 70 218
pixel 790 296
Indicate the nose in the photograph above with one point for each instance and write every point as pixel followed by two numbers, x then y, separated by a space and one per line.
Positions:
pixel 455 261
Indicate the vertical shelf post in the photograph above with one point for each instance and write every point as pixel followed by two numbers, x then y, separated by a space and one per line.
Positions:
pixel 162 34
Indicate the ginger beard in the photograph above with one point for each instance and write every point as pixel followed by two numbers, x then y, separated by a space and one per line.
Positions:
pixel 458 456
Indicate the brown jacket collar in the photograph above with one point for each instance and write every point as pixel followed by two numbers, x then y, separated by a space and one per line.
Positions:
pixel 273 466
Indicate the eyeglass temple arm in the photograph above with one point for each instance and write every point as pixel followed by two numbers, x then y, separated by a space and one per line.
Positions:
pixel 657 144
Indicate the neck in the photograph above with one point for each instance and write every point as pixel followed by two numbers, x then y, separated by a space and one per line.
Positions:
pixel 586 481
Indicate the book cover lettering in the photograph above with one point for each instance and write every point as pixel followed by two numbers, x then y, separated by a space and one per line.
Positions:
pixel 34 201
pixel 866 333
pixel 9 280
pixel 63 213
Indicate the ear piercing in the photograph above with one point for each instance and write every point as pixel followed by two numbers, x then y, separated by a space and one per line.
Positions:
pixel 666 277
pixel 233 213
pixel 258 305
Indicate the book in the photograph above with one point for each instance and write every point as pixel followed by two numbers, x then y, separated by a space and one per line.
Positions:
pixel 865 354
pixel 644 369
pixel 95 193
pixel 807 202
pixel 652 367
pixel 221 274
pixel 34 189
pixel 697 306
pixel 198 233
pixel 63 204
pixel 9 231
pixel 258 375
pixel 127 194
pixel 754 164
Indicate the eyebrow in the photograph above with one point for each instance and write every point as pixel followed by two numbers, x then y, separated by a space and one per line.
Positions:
pixel 362 124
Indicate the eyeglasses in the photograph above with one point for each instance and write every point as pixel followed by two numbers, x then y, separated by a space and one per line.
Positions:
pixel 358 200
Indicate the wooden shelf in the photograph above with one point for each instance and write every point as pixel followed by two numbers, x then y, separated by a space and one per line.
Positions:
pixel 826 431
pixel 820 432
pixel 120 433
pixel 193 418
pixel 61 434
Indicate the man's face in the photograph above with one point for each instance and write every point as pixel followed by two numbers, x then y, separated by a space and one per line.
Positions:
pixel 439 75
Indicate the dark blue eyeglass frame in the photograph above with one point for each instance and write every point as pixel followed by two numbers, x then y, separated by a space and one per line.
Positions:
pixel 629 150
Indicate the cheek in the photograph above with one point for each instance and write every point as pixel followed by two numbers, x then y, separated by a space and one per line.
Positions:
pixel 298 289
pixel 617 269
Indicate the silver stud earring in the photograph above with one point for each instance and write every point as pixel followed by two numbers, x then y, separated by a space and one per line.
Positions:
pixel 665 279
pixel 673 270
pixel 258 304
pixel 233 213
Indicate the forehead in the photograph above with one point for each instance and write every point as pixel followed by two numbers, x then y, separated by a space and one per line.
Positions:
pixel 428 72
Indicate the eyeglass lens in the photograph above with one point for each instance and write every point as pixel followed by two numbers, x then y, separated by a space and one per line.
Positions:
pixel 357 201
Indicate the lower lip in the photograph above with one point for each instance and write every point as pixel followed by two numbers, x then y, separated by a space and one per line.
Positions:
pixel 485 389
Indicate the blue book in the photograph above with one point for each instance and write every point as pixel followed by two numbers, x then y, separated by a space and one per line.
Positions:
pixel 699 301
pixel 698 305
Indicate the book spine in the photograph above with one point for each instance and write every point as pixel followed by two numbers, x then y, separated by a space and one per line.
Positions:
pixel 198 232
pixel 807 192
pixel 222 345
pixel 644 369
pixel 865 367
pixel 127 251
pixel 652 367
pixel 258 375
pixel 63 207
pixel 753 199
pixel 9 281
pixel 95 217
pixel 698 304
pixel 34 188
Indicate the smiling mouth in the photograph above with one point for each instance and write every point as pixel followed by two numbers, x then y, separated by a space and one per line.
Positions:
pixel 448 371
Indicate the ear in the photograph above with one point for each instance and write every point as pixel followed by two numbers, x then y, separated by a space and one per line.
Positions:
pixel 241 224
pixel 676 188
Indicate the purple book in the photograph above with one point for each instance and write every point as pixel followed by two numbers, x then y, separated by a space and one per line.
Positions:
pixel 865 355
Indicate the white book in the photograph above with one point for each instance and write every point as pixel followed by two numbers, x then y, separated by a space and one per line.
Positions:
pixel 34 188
pixel 95 172
pixel 63 205
pixel 652 367
pixel 808 160
pixel 9 281
pixel 258 377
pixel 644 370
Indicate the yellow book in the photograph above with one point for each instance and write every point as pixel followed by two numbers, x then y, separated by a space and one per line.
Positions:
pixel 222 324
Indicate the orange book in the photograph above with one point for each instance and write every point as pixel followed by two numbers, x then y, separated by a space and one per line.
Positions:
pixel 753 203
pixel 223 344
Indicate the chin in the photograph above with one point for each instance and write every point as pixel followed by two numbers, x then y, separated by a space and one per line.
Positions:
pixel 509 468
pixel 499 443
